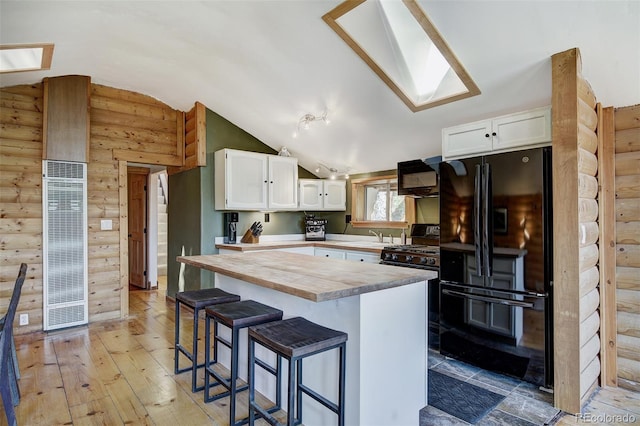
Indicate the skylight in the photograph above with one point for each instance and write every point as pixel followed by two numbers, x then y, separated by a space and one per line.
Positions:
pixel 401 45
pixel 25 57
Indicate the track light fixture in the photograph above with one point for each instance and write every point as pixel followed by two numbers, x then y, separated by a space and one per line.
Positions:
pixel 333 172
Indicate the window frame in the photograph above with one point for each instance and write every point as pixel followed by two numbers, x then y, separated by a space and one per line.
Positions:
pixel 358 208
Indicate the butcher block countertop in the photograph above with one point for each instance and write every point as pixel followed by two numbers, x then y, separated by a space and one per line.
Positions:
pixel 314 278
pixel 368 246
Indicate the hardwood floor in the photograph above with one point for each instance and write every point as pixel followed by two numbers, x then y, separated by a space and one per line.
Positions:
pixel 121 372
pixel 115 372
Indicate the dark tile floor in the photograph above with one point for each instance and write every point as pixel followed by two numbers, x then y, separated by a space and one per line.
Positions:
pixel 524 404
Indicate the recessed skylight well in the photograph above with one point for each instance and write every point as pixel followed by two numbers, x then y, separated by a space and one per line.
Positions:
pixel 25 57
pixel 399 42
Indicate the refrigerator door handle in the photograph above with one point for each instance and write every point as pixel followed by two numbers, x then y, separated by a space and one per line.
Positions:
pixel 489 299
pixel 487 219
pixel 476 217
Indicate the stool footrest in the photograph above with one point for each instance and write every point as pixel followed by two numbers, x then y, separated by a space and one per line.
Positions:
pixel 209 398
pixel 321 399
pixel 223 341
pixel 267 367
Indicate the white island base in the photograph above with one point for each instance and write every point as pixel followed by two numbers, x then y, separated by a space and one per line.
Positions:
pixel 386 370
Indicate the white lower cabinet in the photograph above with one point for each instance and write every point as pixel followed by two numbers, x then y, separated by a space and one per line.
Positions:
pixel 331 253
pixel 355 256
pixel 521 130
pixel 359 256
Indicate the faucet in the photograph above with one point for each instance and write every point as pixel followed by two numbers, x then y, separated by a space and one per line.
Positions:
pixel 379 235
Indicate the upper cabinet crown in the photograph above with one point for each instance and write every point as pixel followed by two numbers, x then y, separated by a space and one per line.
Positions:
pixel 254 181
pixel 522 130
pixel 323 194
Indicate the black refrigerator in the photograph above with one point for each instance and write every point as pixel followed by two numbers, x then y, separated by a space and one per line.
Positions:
pixel 496 263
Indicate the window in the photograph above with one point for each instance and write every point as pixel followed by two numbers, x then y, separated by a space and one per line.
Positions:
pixel 25 57
pixel 401 45
pixel 375 202
pixel 383 202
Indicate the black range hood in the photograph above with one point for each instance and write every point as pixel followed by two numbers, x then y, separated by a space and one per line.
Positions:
pixel 419 178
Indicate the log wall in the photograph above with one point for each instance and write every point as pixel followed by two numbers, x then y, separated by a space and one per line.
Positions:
pixel 124 126
pixel 627 212
pixel 21 198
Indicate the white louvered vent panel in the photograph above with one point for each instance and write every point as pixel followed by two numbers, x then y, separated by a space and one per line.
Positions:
pixel 65 170
pixel 65 244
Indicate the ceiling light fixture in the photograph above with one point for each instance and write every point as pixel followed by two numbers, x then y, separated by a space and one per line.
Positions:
pixel 307 119
pixel 25 57
pixel 333 172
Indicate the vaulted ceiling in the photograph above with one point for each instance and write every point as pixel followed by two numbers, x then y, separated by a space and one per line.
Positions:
pixel 263 64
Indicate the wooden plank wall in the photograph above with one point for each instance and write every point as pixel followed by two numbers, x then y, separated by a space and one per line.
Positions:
pixel 576 232
pixel 627 210
pixel 21 198
pixel 195 143
pixel 125 126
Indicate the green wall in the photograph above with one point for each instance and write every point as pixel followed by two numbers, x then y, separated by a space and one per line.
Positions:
pixel 194 222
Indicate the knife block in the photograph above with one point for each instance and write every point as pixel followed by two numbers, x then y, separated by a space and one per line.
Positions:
pixel 249 238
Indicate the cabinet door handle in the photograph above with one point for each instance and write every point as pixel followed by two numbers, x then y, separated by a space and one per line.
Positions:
pixel 493 134
pixel 486 135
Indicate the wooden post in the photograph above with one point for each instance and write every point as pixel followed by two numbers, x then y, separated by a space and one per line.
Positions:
pixel 607 263
pixel 565 68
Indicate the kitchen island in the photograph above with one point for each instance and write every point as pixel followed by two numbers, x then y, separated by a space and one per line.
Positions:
pixel 382 308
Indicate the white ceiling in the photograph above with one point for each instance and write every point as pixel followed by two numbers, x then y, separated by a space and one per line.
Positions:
pixel 262 64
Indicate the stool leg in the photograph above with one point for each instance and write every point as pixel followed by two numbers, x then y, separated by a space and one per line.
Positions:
pixel 279 381
pixel 207 356
pixel 341 385
pixel 194 371
pixel 234 375
pixel 250 379
pixel 176 337
pixel 291 394
pixel 299 391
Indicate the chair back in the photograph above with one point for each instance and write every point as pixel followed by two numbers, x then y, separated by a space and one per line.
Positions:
pixel 8 364
pixel 7 329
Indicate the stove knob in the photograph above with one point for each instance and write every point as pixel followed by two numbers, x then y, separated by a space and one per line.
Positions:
pixel 409 259
pixel 432 261
pixel 394 257
pixel 387 256
pixel 423 260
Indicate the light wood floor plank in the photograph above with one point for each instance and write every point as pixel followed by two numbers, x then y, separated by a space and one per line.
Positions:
pixel 121 372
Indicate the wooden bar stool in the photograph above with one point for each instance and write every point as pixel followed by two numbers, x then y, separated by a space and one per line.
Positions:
pixel 235 316
pixel 295 339
pixel 196 300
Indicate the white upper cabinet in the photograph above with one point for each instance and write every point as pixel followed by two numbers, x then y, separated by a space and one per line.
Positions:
pixel 322 194
pixel 254 181
pixel 511 132
pixel 283 183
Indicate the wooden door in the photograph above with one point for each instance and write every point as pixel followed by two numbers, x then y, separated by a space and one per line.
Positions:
pixel 137 212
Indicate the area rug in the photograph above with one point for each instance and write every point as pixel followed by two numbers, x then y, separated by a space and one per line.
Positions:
pixel 460 399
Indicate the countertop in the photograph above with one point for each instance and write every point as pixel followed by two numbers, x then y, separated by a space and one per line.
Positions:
pixel 310 277
pixel 497 251
pixel 367 246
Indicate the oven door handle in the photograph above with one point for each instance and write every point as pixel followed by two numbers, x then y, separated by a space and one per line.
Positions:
pixel 508 302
